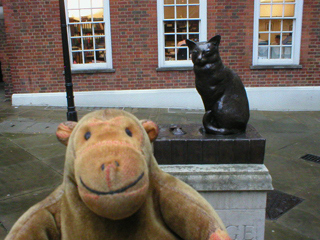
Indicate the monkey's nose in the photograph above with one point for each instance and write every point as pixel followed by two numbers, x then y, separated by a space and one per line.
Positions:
pixel 116 164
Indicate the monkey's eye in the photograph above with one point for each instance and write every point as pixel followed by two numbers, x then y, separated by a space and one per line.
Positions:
pixel 128 132
pixel 87 135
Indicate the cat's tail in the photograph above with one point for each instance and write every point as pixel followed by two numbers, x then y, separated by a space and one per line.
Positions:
pixel 209 123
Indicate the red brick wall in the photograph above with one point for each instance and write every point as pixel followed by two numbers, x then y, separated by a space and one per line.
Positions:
pixel 35 53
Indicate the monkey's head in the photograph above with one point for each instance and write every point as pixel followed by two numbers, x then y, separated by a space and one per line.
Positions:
pixel 108 157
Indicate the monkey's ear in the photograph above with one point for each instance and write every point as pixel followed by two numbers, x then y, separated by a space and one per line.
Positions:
pixel 151 129
pixel 215 40
pixel 191 44
pixel 64 131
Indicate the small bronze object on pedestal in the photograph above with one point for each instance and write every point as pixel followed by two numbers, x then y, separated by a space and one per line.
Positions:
pixel 222 92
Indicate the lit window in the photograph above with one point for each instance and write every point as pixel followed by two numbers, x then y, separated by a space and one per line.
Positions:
pixel 277 32
pixel 179 20
pixel 89 34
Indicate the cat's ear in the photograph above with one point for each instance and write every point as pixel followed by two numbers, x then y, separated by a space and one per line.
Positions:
pixel 191 44
pixel 215 40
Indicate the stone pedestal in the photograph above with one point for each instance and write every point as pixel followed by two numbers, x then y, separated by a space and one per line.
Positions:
pixel 236 191
pixel 195 147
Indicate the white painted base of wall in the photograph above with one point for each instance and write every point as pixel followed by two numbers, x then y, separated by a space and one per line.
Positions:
pixel 261 98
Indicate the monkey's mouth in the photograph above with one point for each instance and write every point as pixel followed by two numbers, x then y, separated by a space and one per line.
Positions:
pixel 114 191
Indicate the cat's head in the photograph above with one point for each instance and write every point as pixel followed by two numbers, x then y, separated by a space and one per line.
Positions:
pixel 204 52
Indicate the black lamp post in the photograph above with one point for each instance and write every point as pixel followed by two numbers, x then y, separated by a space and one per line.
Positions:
pixel 72 113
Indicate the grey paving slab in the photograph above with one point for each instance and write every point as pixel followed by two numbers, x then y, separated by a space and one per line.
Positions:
pixel 306 144
pixel 47 151
pixel 277 141
pixel 4 142
pixel 12 208
pixel 306 222
pixel 24 177
pixel 41 127
pixel 32 140
pixel 35 115
pixel 12 155
pixel 56 163
pixel 291 175
pixel 311 195
pixel 276 231
pixel 3 232
pixel 15 126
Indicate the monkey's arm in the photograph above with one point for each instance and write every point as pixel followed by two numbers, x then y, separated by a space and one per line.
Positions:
pixel 40 222
pixel 187 213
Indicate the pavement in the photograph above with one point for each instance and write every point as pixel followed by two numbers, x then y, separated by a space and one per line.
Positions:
pixel 31 164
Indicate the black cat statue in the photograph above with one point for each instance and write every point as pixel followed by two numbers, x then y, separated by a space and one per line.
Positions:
pixel 222 92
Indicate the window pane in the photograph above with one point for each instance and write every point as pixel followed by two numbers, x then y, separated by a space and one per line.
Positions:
pixel 97 15
pixel 276 25
pixel 85 15
pixel 277 1
pixel 85 4
pixel 169 27
pixel 263 38
pixel 182 12
pixel 287 25
pixel 265 1
pixel 193 26
pixel 182 54
pixel 179 22
pixel 181 39
pixel 87 29
pixel 289 0
pixel 287 38
pixel 98 29
pixel 77 57
pixel 74 16
pixel 97 3
pixel 75 30
pixel 76 43
pixel 170 54
pixel 275 52
pixel 263 53
pixel 263 25
pixel 289 10
pixel 169 40
pixel 89 57
pixel 168 2
pixel 194 37
pixel 88 43
pixel 99 43
pixel 265 10
pixel 286 52
pixel 275 39
pixel 193 11
pixel 168 12
pixel 277 10
pixel 182 26
pixel 101 56
pixel 73 4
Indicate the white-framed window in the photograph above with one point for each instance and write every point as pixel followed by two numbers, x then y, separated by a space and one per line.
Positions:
pixel 179 20
pixel 89 34
pixel 277 32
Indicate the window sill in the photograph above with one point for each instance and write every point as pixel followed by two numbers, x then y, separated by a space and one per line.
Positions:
pixel 90 71
pixel 164 69
pixel 275 67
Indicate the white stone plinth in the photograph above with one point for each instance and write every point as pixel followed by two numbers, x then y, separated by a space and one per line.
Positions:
pixel 238 193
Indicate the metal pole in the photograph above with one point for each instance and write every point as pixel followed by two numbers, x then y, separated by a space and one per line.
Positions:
pixel 72 113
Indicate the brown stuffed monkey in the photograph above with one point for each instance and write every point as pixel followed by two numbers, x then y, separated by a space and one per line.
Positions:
pixel 113 189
